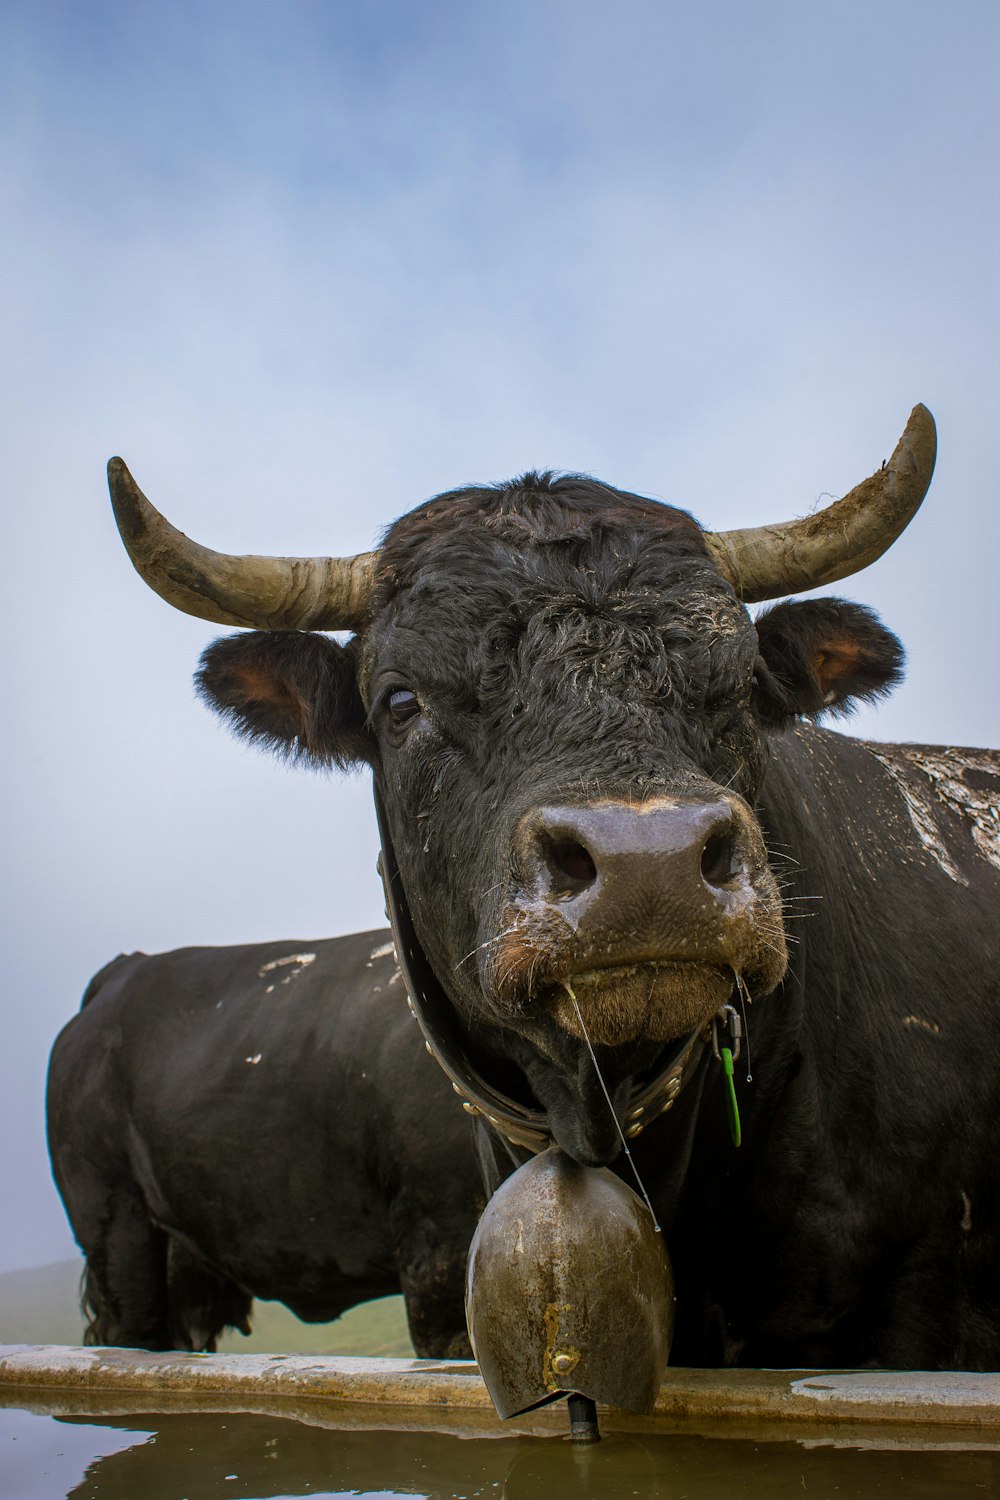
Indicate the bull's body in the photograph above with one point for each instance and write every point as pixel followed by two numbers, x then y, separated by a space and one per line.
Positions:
pixel 260 1121
pixel 603 815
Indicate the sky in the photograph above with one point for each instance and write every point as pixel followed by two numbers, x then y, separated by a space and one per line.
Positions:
pixel 305 264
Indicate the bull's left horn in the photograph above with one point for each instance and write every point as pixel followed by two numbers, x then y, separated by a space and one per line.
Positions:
pixel 268 593
pixel 764 562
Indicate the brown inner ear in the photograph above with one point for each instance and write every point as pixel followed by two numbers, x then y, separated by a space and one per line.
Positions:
pixel 834 663
pixel 264 688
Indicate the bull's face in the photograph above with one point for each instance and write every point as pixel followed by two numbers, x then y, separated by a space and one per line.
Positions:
pixel 565 706
pixel 559 684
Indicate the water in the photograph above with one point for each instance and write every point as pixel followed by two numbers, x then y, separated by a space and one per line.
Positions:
pixel 212 1456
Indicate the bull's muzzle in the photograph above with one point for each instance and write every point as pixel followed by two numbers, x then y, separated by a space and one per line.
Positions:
pixel 633 876
pixel 645 911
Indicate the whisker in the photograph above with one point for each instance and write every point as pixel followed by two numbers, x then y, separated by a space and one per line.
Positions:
pixel 485 944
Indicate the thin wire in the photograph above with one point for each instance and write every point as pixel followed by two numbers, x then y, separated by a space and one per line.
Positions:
pixel 569 990
pixel 741 990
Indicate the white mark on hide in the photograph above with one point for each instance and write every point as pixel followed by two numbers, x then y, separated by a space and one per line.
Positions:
pixel 382 952
pixel 965 782
pixel 253 1061
pixel 966 1212
pixel 930 1026
pixel 397 976
pixel 294 962
pixel 519 1242
pixel 300 960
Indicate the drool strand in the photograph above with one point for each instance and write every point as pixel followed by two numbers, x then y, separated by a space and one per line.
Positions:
pixel 604 1088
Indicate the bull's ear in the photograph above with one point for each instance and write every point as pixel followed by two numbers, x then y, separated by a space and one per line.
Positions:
pixel 291 690
pixel 823 656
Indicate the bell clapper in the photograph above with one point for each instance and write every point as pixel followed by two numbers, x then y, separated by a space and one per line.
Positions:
pixel 583 1426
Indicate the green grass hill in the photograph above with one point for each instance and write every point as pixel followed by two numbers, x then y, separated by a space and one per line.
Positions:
pixel 41 1305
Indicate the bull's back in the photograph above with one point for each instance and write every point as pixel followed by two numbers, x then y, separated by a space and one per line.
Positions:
pixel 251 1095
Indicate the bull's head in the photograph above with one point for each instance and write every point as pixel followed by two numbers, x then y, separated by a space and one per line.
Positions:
pixel 565 705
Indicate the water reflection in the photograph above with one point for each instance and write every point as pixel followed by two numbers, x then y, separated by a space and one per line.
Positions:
pixel 235 1457
pixel 41 1457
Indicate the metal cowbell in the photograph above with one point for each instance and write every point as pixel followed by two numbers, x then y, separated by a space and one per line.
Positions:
pixel 568 1289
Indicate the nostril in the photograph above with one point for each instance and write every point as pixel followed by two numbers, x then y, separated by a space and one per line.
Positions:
pixel 571 867
pixel 718 859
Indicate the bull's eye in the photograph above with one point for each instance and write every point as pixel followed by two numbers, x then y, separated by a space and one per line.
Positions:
pixel 403 705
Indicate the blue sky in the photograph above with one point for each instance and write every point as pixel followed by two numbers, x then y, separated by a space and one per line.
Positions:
pixel 305 264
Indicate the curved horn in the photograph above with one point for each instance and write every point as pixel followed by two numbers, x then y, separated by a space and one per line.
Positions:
pixel 763 562
pixel 269 593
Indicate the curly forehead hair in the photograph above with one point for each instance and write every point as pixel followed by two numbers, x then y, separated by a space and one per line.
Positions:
pixel 570 514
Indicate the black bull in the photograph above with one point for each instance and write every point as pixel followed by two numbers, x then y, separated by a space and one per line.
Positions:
pixel 607 815
pixel 258 1121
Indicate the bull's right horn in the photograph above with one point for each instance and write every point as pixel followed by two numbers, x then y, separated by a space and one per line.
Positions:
pixel 267 593
pixel 764 562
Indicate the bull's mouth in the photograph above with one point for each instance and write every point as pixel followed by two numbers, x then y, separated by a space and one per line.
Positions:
pixel 651 1001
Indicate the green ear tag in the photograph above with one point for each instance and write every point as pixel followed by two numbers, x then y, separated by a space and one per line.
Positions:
pixel 732 1106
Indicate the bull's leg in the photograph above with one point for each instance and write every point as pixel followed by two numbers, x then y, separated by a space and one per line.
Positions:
pixel 125 1280
pixel 433 1286
pixel 202 1302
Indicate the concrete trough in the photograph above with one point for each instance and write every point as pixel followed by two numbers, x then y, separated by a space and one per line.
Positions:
pixel 953 1410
